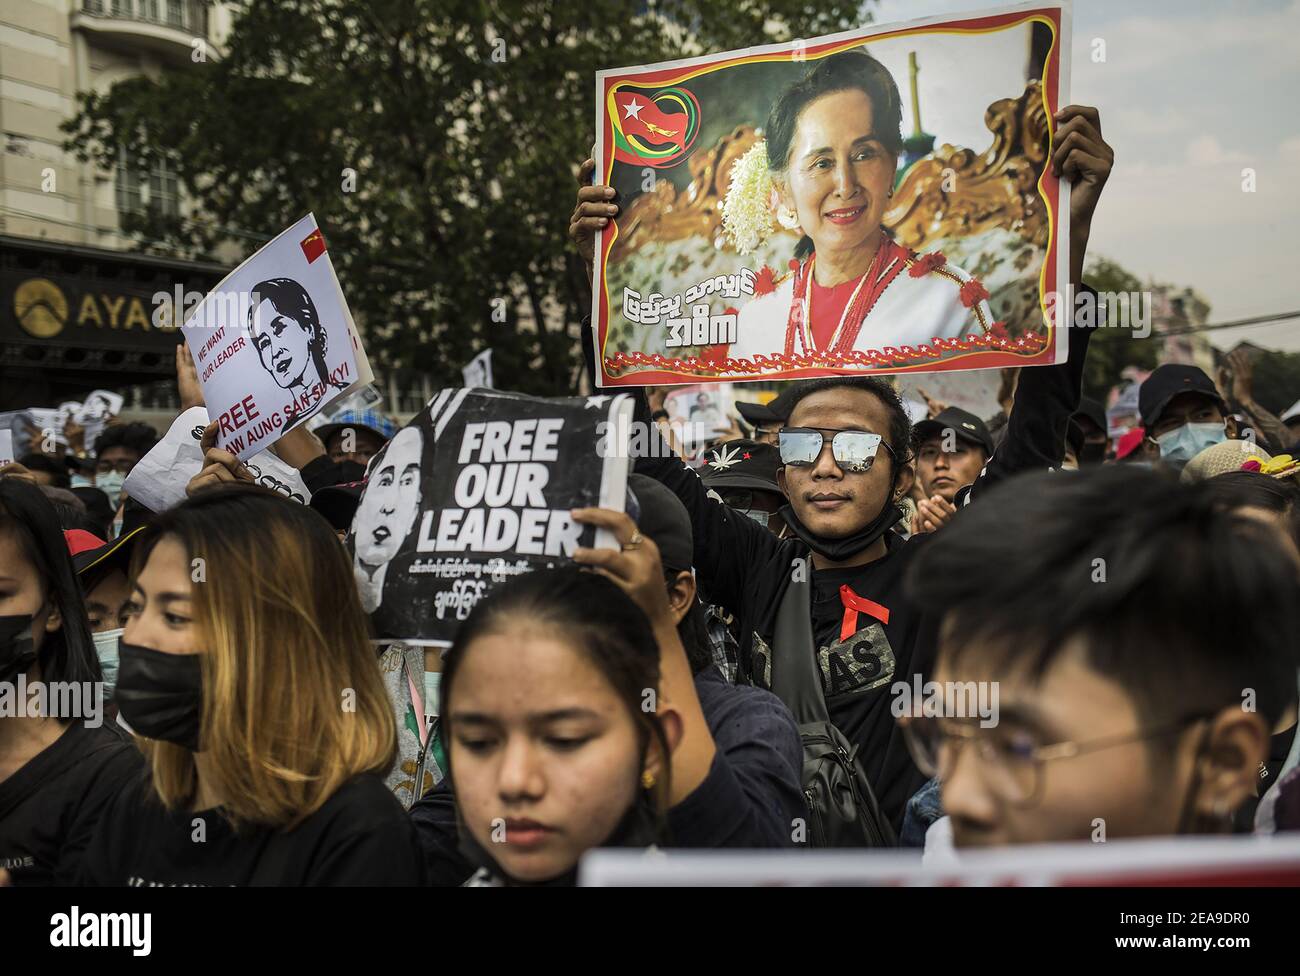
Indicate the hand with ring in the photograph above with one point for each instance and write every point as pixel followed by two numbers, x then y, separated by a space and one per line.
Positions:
pixel 635 566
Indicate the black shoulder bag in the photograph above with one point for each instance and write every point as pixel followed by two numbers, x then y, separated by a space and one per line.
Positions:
pixel 842 807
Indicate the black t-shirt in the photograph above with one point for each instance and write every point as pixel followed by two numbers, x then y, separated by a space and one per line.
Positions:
pixel 49 808
pixel 858 673
pixel 361 836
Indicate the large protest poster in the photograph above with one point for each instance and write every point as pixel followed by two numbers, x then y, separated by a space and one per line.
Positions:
pixel 874 201
pixel 158 481
pixel 274 342
pixel 476 489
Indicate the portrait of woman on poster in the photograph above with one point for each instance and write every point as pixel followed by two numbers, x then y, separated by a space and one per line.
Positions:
pixel 291 342
pixel 826 169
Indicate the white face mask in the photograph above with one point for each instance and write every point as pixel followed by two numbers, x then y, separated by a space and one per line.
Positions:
pixel 110 483
pixel 106 643
pixel 1180 445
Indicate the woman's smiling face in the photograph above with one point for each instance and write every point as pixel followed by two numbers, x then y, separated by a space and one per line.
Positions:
pixel 838 175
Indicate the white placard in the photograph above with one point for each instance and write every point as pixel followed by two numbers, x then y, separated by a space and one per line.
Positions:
pixel 478 371
pixel 158 481
pixel 274 342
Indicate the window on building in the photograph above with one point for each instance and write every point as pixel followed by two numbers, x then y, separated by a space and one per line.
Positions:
pixel 138 190
pixel 164 190
pixel 129 188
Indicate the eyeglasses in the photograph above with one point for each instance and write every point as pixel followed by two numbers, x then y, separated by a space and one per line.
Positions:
pixel 1011 763
pixel 854 450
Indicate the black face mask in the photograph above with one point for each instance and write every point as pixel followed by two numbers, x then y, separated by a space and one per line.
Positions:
pixel 837 550
pixel 160 695
pixel 17 649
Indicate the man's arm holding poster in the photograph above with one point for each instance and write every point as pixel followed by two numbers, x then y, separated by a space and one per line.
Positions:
pixel 1046 396
pixel 726 543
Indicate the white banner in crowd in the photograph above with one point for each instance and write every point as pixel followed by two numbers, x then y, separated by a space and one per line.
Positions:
pixel 6 447
pixel 1166 861
pixel 274 342
pixel 477 489
pixel 34 424
pixel 158 481
pixel 478 371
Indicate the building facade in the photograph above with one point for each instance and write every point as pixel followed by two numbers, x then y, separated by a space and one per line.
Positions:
pixel 76 291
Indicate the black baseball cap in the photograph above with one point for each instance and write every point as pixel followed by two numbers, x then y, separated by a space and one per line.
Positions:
pixel 664 521
pixel 1092 410
pixel 338 503
pixel 965 424
pixel 135 519
pixel 742 463
pixel 1165 383
pixel 775 411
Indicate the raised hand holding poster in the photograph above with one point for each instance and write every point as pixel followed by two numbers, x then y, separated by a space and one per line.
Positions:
pixel 778 221
pixel 274 342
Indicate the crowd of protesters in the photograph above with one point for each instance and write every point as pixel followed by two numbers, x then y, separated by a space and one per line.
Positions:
pixel 1133 602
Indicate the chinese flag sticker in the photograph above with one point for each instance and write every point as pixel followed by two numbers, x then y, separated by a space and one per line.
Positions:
pixel 314 246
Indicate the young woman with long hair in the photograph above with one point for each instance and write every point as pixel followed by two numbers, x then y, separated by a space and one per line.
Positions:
pixel 246 669
pixel 60 764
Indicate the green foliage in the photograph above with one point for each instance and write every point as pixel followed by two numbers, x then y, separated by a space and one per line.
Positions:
pixel 1277 380
pixel 465 122
pixel 1110 350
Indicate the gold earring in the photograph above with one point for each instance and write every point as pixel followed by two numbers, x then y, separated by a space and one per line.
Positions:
pixel 648 780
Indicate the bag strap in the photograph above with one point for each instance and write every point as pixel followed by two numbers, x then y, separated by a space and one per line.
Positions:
pixel 794 670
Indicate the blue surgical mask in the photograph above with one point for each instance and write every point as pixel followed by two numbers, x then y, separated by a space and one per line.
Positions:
pixel 110 483
pixel 1181 444
pixel 81 481
pixel 106 649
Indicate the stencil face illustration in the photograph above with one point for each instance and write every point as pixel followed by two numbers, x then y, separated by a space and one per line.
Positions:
pixel 283 343
pixel 391 501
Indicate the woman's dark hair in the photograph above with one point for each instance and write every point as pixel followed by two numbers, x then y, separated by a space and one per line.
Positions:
pixel 846 71
pixel 291 300
pixel 1243 489
pixel 27 517
pixel 46 465
pixel 1238 489
pixel 596 616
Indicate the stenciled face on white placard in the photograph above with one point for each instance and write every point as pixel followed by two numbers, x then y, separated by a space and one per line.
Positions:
pixel 288 334
pixel 391 501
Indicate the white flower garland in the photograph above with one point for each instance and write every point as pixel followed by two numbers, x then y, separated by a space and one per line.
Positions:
pixel 746 211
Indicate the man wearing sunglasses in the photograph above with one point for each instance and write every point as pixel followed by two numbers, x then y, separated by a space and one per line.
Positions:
pixel 831 592
pixel 1132 701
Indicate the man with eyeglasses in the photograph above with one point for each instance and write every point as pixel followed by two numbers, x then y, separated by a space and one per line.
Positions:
pixel 1131 701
